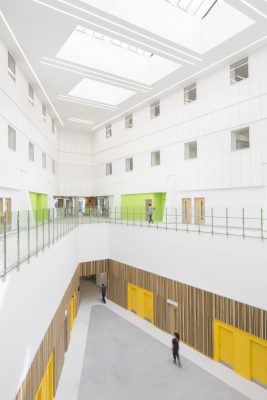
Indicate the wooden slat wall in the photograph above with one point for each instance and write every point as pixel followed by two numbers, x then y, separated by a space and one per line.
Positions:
pixel 197 308
pixel 93 267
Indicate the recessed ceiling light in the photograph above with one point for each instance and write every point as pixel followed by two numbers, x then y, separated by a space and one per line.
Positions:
pixel 81 121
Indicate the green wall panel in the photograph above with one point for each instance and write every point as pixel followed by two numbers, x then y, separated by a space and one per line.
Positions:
pixel 39 202
pixel 133 206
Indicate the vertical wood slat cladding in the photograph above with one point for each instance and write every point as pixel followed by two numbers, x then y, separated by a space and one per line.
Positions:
pixel 196 310
pixel 93 267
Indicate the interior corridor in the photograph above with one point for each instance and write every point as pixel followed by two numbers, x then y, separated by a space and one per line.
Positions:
pixel 103 341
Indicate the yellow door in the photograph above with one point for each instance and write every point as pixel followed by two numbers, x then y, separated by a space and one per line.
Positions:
pixel 259 363
pixel 46 388
pixel 148 306
pixel 186 206
pixel 226 347
pixel 133 298
pixel 199 211
pixel 71 313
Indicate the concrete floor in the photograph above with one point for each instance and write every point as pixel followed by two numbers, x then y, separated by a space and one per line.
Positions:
pixel 123 362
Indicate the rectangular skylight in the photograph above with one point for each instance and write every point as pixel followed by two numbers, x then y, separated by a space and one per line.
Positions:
pixel 101 92
pixel 101 52
pixel 198 8
pixel 174 24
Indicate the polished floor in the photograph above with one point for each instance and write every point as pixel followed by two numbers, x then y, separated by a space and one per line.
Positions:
pixel 113 354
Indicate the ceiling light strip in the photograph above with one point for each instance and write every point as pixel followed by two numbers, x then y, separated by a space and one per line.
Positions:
pixel 106 80
pixel 70 100
pixel 88 70
pixel 254 8
pixel 30 66
pixel 122 35
pixel 162 92
pixel 81 121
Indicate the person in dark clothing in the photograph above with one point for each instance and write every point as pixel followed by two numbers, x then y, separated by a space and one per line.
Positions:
pixel 175 348
pixel 103 292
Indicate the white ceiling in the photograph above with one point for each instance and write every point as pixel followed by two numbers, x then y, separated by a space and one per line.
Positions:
pixel 99 59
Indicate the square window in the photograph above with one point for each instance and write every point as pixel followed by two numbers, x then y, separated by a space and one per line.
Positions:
pixel 155 158
pixel 31 94
pixel 129 164
pixel 108 131
pixel 44 112
pixel 155 109
pixel 53 167
pixel 44 160
pixel 31 151
pixel 11 67
pixel 11 138
pixel 240 139
pixel 239 71
pixel 129 121
pixel 190 150
pixel 109 169
pixel 190 93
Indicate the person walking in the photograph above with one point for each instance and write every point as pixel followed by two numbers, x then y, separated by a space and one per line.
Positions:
pixel 103 292
pixel 175 348
pixel 150 210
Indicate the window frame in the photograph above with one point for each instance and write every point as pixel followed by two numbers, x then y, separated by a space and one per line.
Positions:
pixel 11 66
pixel 44 113
pixel 31 151
pixel 153 158
pixel 153 107
pixel 129 161
pixel 188 89
pixel 187 150
pixel 234 139
pixel 235 66
pixel 53 167
pixel 108 131
pixel 128 118
pixel 10 139
pixel 30 98
pixel 109 169
pixel 44 160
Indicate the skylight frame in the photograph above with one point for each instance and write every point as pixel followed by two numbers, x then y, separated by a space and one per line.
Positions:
pixel 197 8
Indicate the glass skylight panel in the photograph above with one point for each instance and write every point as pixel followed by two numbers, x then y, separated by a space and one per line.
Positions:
pixel 198 8
pixel 174 24
pixel 110 55
pixel 100 92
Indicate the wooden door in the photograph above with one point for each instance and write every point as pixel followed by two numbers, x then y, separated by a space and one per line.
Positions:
pixel 187 211
pixel 171 318
pixel 148 305
pixel 259 363
pixel 60 203
pixel 226 347
pixel 8 211
pixel 147 203
pixel 1 212
pixel 199 211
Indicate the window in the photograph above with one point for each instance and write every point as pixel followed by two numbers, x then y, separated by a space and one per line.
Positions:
pixel 11 67
pixel 53 126
pixel 108 131
pixel 129 164
pixel 190 150
pixel 239 71
pixel 31 151
pixel 44 112
pixel 53 167
pixel 155 109
pixel 190 93
pixel 129 121
pixel 31 94
pixel 11 138
pixel 155 158
pixel 240 139
pixel 44 160
pixel 109 169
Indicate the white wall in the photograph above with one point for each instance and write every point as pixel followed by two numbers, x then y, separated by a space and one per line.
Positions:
pixel 30 297
pixel 220 107
pixel 75 161
pixel 18 174
pixel 231 267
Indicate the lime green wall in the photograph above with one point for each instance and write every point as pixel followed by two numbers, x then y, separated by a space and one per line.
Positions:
pixel 135 204
pixel 39 202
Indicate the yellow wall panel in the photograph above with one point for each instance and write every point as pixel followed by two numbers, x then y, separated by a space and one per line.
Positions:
pixel 226 346
pixel 259 362
pixel 141 302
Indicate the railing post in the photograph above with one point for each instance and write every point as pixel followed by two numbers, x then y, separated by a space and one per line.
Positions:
pixel 5 244
pixel 166 218
pixel 176 219
pixel 157 214
pixel 18 240
pixel 53 226
pixel 57 224
pixel 133 217
pixel 43 230
pixel 212 221
pixel 127 215
pixel 121 215
pixel 48 218
pixel 262 235
pixel 29 244
pixel 226 221
pixel 36 226
pixel 115 215
pixel 141 218
pixel 243 223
